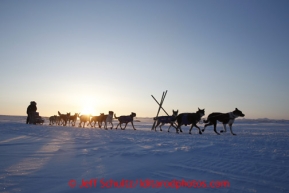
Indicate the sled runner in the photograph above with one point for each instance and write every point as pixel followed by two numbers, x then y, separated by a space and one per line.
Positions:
pixel 34 118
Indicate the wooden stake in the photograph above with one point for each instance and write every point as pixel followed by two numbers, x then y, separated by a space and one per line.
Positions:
pixel 163 109
pixel 160 106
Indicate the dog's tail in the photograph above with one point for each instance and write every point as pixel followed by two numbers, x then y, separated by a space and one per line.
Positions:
pixel 115 116
pixel 59 113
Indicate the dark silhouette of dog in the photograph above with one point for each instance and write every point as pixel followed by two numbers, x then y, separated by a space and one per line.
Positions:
pixel 162 120
pixel 188 119
pixel 63 118
pixel 126 120
pixel 73 119
pixel 96 119
pixel 107 119
pixel 225 118
pixel 83 119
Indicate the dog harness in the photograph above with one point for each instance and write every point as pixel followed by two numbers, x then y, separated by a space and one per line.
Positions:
pixel 185 120
pixel 232 118
pixel 166 119
pixel 125 119
pixel 232 115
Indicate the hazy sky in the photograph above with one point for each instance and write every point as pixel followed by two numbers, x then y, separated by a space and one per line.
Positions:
pixel 80 56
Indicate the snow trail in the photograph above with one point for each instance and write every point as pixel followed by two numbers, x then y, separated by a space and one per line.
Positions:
pixel 46 158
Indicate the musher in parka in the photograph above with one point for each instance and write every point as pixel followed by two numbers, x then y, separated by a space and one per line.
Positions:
pixel 30 110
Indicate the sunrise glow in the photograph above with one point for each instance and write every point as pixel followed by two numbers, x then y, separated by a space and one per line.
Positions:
pixel 88 106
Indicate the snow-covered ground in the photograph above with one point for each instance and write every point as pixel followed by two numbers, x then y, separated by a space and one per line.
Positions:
pixel 36 158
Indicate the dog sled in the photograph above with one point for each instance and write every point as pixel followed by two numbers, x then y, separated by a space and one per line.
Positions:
pixel 34 118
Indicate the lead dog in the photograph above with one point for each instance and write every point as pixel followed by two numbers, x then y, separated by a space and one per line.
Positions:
pixel 166 119
pixel 126 120
pixel 225 118
pixel 190 118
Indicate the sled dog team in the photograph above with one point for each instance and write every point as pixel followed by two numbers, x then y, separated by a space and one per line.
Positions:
pixel 63 119
pixel 193 118
pixel 175 120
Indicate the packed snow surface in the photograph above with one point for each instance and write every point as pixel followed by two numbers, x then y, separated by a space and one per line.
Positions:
pixel 43 158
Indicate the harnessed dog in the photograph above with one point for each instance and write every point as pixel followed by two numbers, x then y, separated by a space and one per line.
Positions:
pixel 189 118
pixel 126 120
pixel 52 120
pixel 225 118
pixel 73 119
pixel 166 119
pixel 95 119
pixel 107 119
pixel 63 118
pixel 83 119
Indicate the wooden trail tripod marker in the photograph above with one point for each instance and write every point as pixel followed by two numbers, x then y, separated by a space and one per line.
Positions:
pixel 160 106
pixel 175 125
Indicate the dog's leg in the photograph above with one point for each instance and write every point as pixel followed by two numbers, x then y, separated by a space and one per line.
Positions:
pixel 172 125
pixel 120 123
pixel 111 125
pixel 191 129
pixel 215 128
pixel 177 129
pixel 89 123
pixel 231 129
pixel 225 129
pixel 132 125
pixel 105 125
pixel 207 125
pixel 169 127
pixel 198 128
pixel 125 126
pixel 161 126
pixel 157 125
